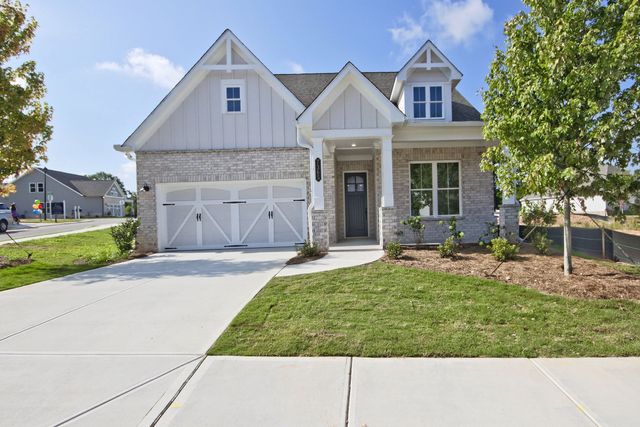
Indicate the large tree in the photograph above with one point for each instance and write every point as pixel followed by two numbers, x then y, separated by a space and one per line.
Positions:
pixel 24 116
pixel 563 99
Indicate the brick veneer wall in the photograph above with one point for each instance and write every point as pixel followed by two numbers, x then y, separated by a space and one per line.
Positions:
pixel 156 167
pixel 477 192
pixel 328 176
pixel 355 166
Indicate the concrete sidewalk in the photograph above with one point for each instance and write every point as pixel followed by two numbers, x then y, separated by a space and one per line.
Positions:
pixel 249 391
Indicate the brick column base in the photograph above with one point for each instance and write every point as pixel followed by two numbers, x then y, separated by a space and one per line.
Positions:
pixel 509 221
pixel 320 228
pixel 388 224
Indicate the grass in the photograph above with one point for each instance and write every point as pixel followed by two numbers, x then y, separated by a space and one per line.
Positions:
pixel 57 256
pixel 383 310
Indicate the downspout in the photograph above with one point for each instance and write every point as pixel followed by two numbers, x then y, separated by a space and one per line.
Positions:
pixel 301 141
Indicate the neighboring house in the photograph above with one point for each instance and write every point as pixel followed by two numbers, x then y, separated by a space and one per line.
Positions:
pixel 595 205
pixel 93 198
pixel 235 156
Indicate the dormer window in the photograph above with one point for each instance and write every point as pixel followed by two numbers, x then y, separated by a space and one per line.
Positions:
pixel 233 96
pixel 428 102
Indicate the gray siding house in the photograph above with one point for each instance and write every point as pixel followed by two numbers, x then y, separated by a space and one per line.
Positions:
pixel 235 156
pixel 94 198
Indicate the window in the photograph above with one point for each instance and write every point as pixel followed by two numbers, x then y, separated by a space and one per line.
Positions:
pixel 355 184
pixel 419 102
pixel 36 187
pixel 428 104
pixel 435 188
pixel 233 96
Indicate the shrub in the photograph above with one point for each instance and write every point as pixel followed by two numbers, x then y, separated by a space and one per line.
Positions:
pixel 309 250
pixel 124 235
pixel 452 244
pixel 492 231
pixel 502 250
pixel 394 250
pixel 417 226
pixel 541 242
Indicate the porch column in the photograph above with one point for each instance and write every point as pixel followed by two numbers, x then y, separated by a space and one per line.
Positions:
pixel 317 174
pixel 386 167
pixel 509 217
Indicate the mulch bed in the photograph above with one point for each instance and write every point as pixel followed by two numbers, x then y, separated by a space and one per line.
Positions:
pixel 6 262
pixel 301 260
pixel 591 279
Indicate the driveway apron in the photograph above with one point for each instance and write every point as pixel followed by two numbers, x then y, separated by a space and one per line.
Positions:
pixel 103 347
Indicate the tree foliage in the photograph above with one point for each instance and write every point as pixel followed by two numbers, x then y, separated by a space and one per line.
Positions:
pixel 563 100
pixel 24 116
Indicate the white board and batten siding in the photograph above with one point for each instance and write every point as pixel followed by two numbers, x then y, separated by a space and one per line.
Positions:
pixel 351 110
pixel 199 123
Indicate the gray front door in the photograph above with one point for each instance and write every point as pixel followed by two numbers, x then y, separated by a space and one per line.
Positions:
pixel 355 200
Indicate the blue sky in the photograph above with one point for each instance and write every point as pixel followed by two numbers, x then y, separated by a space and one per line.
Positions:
pixel 107 64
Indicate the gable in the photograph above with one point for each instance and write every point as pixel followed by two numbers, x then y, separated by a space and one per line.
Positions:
pixel 228 55
pixel 333 96
pixel 351 110
pixel 199 122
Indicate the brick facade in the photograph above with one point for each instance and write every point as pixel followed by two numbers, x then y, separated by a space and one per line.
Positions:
pixel 156 167
pixel 477 193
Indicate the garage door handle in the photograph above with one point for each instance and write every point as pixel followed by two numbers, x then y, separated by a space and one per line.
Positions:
pixel 168 204
pixel 234 202
pixel 298 200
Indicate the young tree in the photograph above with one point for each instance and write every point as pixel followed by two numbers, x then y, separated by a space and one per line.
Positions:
pixel 24 116
pixel 563 99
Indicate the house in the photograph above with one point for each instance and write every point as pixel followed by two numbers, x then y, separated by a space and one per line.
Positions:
pixel 93 198
pixel 594 205
pixel 235 156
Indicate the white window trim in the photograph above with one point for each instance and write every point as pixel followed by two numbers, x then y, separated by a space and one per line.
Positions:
pixel 435 188
pixel 36 185
pixel 427 89
pixel 224 84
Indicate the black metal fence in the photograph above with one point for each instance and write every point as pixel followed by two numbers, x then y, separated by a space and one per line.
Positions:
pixel 600 243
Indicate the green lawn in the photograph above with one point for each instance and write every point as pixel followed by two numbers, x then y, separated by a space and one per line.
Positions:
pixel 57 256
pixel 384 310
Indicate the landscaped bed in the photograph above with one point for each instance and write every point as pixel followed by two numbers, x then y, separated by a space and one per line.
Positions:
pixel 54 257
pixel 386 310
pixel 591 278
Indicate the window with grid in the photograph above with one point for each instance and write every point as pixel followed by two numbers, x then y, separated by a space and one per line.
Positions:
pixel 428 102
pixel 435 188
pixel 234 103
pixel 32 187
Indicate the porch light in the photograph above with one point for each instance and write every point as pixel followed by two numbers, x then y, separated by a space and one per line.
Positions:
pixel 353 145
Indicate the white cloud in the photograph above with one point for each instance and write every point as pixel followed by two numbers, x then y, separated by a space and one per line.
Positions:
pixel 295 67
pixel 138 63
pixel 445 21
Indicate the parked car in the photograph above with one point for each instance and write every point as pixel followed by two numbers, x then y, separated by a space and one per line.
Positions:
pixel 5 217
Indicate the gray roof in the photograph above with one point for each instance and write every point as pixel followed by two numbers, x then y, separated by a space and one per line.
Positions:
pixel 80 183
pixel 307 86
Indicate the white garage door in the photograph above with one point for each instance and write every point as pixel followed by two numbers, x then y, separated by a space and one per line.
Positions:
pixel 231 214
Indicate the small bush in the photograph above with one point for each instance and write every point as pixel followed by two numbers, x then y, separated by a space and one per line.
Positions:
pixel 309 250
pixel 416 225
pixel 541 242
pixel 394 250
pixel 502 250
pixel 124 235
pixel 450 248
pixel 452 244
pixel 492 231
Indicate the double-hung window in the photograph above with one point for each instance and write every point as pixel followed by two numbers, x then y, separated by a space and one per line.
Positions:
pixel 233 96
pixel 435 188
pixel 428 102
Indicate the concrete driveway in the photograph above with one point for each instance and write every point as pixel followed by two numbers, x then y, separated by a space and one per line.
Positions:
pixel 112 346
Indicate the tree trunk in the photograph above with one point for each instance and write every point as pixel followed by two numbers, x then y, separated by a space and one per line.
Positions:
pixel 568 267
